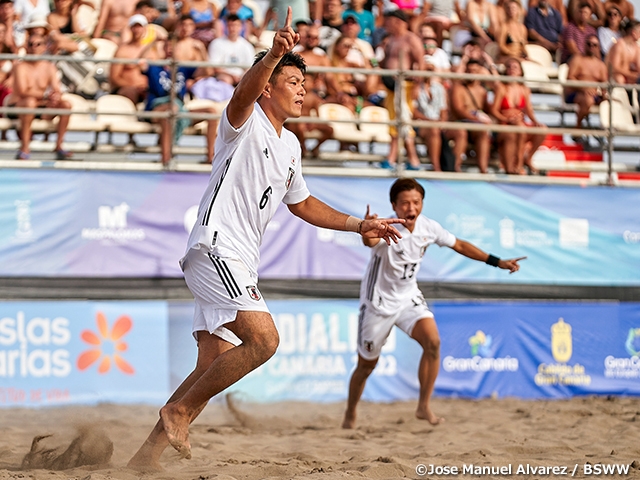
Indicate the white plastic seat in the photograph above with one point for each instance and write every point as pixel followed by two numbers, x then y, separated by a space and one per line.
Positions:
pixel 537 80
pixel 542 56
pixel 343 132
pixel 81 119
pixel 119 114
pixel 376 126
pixel 622 119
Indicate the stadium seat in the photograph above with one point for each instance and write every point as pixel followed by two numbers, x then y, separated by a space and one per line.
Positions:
pixel 620 111
pixel 200 127
pixel 376 126
pixel 537 79
pixel 88 17
pixel 82 117
pixel 542 56
pixel 119 114
pixel 343 132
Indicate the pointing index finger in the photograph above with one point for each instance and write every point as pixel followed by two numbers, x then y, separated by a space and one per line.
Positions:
pixel 287 22
pixel 519 258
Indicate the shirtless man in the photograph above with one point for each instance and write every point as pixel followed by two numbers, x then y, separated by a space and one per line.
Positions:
pixel 625 7
pixel 37 85
pixel 189 49
pixel 624 56
pixel 113 18
pixel 586 68
pixel 316 89
pixel 403 50
pixel 468 104
pixel 126 79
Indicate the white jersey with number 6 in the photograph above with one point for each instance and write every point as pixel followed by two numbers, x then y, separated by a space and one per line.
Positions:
pixel 253 171
pixel 391 277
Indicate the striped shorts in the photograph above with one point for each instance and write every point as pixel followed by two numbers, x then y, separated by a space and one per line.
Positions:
pixel 221 287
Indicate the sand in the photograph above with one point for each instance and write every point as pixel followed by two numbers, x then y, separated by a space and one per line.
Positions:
pixel 304 441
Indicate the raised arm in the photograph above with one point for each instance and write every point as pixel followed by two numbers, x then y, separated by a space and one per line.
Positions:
pixel 102 18
pixel 253 82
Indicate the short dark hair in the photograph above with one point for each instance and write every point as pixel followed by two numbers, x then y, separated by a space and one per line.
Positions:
pixel 404 185
pixel 232 17
pixel 289 59
pixel 585 4
pixel 630 25
pixel 186 16
pixel 144 3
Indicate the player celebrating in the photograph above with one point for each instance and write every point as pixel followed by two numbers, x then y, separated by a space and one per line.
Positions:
pixel 389 295
pixel 255 167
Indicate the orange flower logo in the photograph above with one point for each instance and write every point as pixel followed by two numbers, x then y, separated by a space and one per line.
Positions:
pixel 107 346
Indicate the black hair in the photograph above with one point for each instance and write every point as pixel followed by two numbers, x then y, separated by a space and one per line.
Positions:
pixel 289 59
pixel 630 25
pixel 404 185
pixel 232 17
pixel 186 16
pixel 144 3
pixel 585 4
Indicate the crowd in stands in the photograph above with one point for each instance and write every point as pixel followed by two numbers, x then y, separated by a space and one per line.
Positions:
pixel 592 37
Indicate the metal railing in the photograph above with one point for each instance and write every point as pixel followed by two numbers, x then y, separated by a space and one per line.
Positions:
pixel 400 75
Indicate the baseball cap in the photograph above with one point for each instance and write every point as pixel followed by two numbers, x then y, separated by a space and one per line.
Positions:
pixel 398 14
pixel 349 16
pixel 138 19
pixel 37 20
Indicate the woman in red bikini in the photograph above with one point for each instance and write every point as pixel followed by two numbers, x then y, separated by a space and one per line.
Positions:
pixel 512 106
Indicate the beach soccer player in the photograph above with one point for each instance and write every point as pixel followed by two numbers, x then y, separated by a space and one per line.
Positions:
pixel 257 165
pixel 389 295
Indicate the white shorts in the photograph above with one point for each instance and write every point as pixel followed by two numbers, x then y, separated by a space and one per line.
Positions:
pixel 374 328
pixel 221 287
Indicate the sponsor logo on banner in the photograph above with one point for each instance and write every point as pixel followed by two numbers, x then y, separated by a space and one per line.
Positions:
pixel 625 367
pixel 35 347
pixel 510 236
pixel 574 232
pixel 112 225
pixel 24 232
pixel 472 227
pixel 631 237
pixel 481 359
pixel 560 373
pixel 106 347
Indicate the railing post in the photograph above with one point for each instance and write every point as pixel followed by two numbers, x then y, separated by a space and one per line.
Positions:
pixel 398 106
pixel 610 129
pixel 172 98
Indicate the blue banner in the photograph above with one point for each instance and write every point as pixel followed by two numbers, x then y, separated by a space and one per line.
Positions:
pixel 115 224
pixel 54 353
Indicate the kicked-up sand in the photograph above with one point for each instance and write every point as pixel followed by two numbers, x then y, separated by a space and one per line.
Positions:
pixel 485 439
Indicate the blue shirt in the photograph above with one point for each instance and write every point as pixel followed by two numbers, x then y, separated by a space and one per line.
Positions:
pixel 160 82
pixel 550 27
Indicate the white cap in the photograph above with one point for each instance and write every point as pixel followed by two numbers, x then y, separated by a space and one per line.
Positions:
pixel 37 20
pixel 138 19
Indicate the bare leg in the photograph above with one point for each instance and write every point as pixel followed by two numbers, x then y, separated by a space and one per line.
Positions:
pixel 483 143
pixel 434 145
pixel 460 139
pixel 259 342
pixel 410 147
pixel 393 150
pixel 536 141
pixel 63 123
pixel 147 457
pixel 25 123
pixel 356 387
pixel 426 334
pixel 327 134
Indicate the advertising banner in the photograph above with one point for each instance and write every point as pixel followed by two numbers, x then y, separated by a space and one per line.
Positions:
pixel 122 224
pixel 54 353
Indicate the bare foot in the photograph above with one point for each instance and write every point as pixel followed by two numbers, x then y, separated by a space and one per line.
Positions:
pixel 429 416
pixel 349 421
pixel 176 426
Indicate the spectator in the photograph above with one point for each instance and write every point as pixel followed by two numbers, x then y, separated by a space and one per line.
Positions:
pixel 473 51
pixel 625 7
pixel 346 88
pixel 512 106
pixel 610 32
pixel 187 48
pixel 482 19
pixel 14 33
pixel 168 10
pixel 557 5
pixel 575 34
pixel 433 54
pixel 331 23
pixel 364 18
pixel 233 50
pixel 244 13
pixel 127 79
pixel 277 12
pixel 113 18
pixel 204 14
pixel 544 26
pixel 64 17
pixel 159 100
pixel 37 85
pixel 430 104
pixel 26 9
pixel 587 67
pixel 597 11
pixel 314 56
pixel 513 34
pixel 469 105
pixel 362 51
pixel 624 56
pixel 402 50
pixel 437 14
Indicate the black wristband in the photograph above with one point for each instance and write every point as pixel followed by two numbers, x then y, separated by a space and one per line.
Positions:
pixel 492 260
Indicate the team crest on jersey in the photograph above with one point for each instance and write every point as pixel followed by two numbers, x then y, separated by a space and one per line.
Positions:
pixel 253 292
pixel 368 346
pixel 292 172
pixel 293 160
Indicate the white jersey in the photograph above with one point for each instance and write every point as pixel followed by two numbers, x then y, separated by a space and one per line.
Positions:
pixel 253 171
pixel 391 277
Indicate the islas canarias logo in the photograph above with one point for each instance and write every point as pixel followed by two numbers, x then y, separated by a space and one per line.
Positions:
pixel 560 373
pixel 106 346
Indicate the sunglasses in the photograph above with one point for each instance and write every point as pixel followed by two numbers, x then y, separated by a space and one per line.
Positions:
pixel 613 14
pixel 592 44
pixel 35 44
